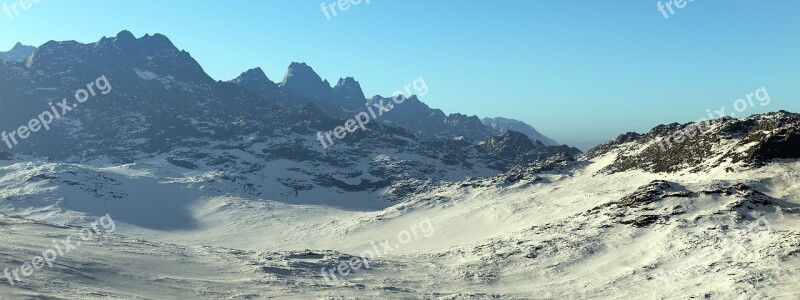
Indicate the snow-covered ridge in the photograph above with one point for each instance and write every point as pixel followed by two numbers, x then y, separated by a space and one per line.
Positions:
pixel 753 141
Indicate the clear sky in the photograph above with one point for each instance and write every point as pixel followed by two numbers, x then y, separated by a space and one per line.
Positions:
pixel 579 71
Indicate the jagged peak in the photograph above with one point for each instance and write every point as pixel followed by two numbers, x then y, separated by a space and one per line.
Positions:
pixel 19 50
pixel 158 40
pixel 301 78
pixel 302 72
pixel 154 52
pixel 301 69
pixel 253 75
pixel 347 81
pixel 257 71
pixel 125 40
pixel 350 88
pixel 21 47
pixel 257 81
pixel 299 65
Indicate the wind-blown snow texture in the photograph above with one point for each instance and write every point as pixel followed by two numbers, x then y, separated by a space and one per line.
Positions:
pixel 219 190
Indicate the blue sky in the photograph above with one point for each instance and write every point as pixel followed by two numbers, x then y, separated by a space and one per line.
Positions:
pixel 579 71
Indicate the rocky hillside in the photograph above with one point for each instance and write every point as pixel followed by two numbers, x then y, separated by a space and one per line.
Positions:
pixel 20 52
pixel 516 149
pixel 500 125
pixel 695 147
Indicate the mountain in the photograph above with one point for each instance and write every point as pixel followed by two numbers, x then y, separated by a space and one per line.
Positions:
pixel 256 80
pixel 500 125
pixel 682 234
pixel 697 147
pixel 519 149
pixel 301 78
pixel 223 190
pixel 161 105
pixel 302 85
pixel 20 52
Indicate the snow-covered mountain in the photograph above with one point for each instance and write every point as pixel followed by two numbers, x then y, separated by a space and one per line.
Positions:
pixel 302 85
pixel 220 190
pixel 500 125
pixel 755 140
pixel 162 104
pixel 520 234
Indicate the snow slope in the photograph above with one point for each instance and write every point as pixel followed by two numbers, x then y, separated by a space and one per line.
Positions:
pixel 574 234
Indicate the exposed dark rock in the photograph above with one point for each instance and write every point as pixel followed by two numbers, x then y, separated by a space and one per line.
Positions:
pixel 516 149
pixel 645 207
pixel 754 141
pixel 642 221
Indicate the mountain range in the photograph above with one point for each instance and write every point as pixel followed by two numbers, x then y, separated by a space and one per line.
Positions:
pixel 164 104
pixel 221 190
